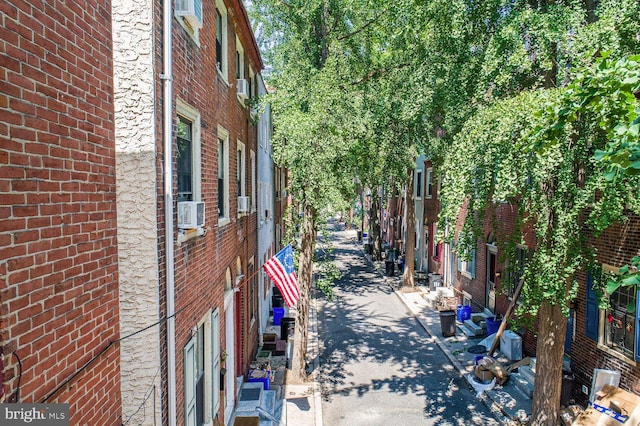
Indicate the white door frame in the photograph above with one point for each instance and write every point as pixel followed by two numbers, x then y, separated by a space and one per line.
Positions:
pixel 230 339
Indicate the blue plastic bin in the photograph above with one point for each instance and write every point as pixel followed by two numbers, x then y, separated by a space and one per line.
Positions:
pixel 492 325
pixel 264 380
pixel 278 313
pixel 463 312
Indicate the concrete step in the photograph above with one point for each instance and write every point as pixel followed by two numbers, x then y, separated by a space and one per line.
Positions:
pixel 475 329
pixel 522 383
pixel 466 330
pixel 528 373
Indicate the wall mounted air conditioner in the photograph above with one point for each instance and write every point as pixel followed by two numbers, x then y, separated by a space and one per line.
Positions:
pixel 243 204
pixel 243 88
pixel 191 11
pixel 190 214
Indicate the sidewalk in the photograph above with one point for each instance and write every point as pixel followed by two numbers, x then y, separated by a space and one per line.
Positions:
pixel 302 403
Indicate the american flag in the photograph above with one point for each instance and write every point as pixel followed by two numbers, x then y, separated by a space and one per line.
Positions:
pixel 281 270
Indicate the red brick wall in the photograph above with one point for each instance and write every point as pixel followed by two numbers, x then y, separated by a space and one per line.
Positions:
pixel 201 263
pixel 616 246
pixel 58 253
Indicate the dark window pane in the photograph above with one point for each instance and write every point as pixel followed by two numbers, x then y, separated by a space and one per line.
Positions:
pixel 184 160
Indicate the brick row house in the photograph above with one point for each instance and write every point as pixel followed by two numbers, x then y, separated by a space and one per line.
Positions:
pixel 135 180
pixel 595 339
pixel 59 297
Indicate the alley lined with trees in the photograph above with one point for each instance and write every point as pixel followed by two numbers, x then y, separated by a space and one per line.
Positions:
pixel 529 102
pixel 378 366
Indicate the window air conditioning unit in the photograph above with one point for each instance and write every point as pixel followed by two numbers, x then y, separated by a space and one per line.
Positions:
pixel 243 204
pixel 190 214
pixel 243 88
pixel 191 11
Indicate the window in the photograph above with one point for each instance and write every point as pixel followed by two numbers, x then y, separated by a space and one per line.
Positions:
pixel 202 372
pixel 418 183
pixel 615 328
pixel 253 297
pixel 517 266
pixel 188 152
pixel 240 172
pixel 620 320
pixel 467 264
pixel 189 14
pixel 429 185
pixel 239 59
pixel 185 160
pixel 221 38
pixel 252 181
pixel 223 176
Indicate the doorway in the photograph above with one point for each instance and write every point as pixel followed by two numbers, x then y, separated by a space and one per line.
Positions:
pixel 492 260
pixel 229 378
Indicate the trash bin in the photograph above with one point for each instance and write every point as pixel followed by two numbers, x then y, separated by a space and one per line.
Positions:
pixel 567 388
pixel 278 314
pixel 448 323
pixel 492 325
pixel 388 267
pixel 435 280
pixel 287 327
pixel 277 301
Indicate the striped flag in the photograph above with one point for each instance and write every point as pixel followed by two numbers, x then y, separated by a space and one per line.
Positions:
pixel 281 270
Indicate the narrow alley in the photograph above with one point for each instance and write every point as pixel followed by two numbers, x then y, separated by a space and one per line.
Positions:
pixel 378 366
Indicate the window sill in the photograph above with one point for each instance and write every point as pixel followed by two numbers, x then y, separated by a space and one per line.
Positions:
pixel 617 355
pixel 223 221
pixel 189 234
pixel 466 274
pixel 223 77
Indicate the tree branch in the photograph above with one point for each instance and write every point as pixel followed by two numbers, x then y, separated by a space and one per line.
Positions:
pixel 362 28
pixel 380 71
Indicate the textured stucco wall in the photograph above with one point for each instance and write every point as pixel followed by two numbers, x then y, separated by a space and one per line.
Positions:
pixel 136 198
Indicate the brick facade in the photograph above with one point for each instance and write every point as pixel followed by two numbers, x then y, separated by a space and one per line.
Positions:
pixel 58 251
pixel 201 263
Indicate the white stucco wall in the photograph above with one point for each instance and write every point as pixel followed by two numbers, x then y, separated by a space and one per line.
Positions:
pixel 136 199
pixel 265 193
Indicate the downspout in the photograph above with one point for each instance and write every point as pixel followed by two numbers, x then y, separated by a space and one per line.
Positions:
pixel 167 123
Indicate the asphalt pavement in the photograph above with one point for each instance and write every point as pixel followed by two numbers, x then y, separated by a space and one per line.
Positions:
pixel 378 364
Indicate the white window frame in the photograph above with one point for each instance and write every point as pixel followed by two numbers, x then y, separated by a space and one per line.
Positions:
pixel 239 60
pixel 603 343
pixel 428 190
pixel 468 267
pixel 189 362
pixel 252 184
pixel 224 58
pixel 223 217
pixel 241 171
pixel 215 363
pixel 191 114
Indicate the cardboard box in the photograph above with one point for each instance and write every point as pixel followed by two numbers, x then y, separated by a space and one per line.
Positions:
pixel 570 414
pixel 612 407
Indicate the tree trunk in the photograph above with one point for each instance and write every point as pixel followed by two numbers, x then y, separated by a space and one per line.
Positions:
pixel 410 237
pixel 375 239
pixel 549 351
pixel 298 373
